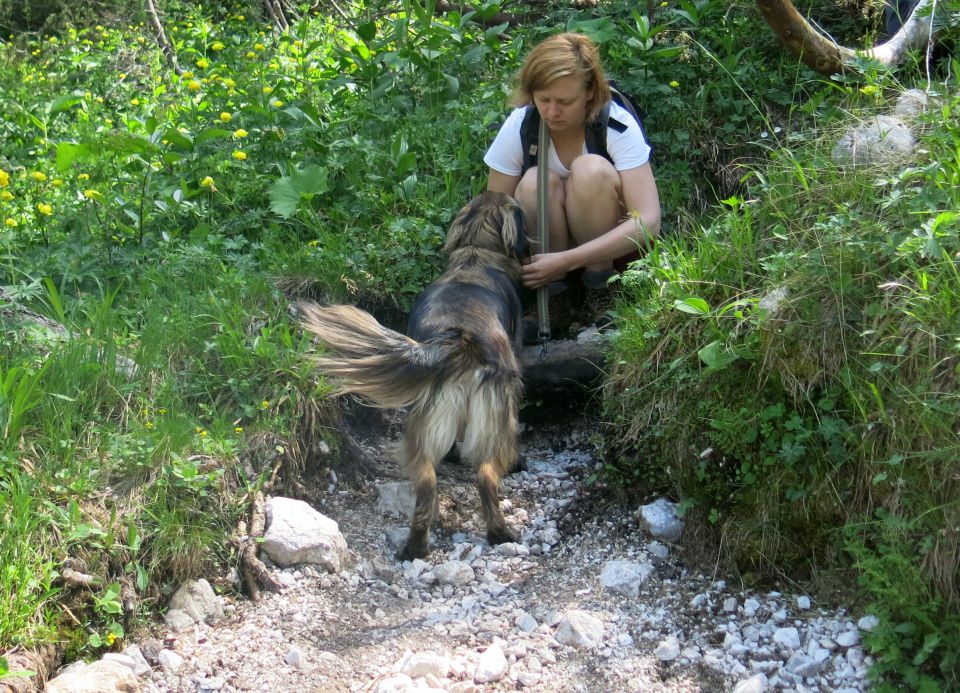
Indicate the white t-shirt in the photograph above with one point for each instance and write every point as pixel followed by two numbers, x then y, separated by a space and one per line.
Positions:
pixel 628 149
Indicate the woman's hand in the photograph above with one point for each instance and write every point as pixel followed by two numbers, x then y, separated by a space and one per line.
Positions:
pixel 543 269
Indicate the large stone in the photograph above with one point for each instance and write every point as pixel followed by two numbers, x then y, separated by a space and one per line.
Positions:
pixel 492 665
pixel 580 629
pixel 104 676
pixel 195 602
pixel 296 533
pixel 881 141
pixel 625 577
pixel 661 521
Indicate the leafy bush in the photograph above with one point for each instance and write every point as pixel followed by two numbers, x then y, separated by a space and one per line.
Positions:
pixel 791 371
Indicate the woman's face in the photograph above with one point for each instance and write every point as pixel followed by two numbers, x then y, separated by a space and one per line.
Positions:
pixel 563 103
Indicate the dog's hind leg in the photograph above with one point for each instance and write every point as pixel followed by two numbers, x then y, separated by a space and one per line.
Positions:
pixel 490 443
pixel 426 438
pixel 424 480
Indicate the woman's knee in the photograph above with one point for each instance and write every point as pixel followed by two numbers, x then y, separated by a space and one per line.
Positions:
pixel 526 193
pixel 592 178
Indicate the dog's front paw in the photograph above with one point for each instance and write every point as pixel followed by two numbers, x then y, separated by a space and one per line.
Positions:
pixel 413 549
pixel 501 535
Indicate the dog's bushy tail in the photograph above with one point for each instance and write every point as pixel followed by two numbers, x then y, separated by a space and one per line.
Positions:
pixel 390 369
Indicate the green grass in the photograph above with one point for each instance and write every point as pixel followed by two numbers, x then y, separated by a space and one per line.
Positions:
pixel 167 221
pixel 808 339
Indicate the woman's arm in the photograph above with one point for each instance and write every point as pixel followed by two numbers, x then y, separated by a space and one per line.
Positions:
pixel 501 182
pixel 641 227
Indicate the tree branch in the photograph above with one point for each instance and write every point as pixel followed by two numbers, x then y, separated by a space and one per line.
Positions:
pixel 826 56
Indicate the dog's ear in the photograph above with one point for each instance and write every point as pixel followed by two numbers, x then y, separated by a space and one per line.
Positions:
pixel 458 228
pixel 514 230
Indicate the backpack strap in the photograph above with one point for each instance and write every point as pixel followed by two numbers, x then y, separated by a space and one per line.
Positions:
pixel 529 134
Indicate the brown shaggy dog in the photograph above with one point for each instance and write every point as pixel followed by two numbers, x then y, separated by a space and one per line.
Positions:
pixel 457 371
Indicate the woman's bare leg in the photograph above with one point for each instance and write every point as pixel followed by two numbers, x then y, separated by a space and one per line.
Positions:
pixel 593 200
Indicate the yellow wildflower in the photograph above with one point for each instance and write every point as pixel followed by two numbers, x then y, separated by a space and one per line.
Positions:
pixel 869 89
pixel 674 84
pixel 240 132
pixel 84 176
pixel 268 90
pixel 251 54
pixel 225 117
pixel 217 46
pixel 259 47
pixel 11 222
pixel 6 196
pixel 238 429
pixel 134 102
pixel 187 74
pixel 229 83
pixel 111 638
pixel 4 178
pixel 239 154
pixel 203 63
pixel 91 194
pixel 277 103
pixel 56 182
pixel 38 176
pixel 207 182
pixel 193 85
pixel 45 209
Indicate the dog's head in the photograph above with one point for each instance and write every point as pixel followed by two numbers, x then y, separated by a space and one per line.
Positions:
pixel 490 221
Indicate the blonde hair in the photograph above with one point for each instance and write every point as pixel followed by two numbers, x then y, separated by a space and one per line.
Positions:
pixel 561 56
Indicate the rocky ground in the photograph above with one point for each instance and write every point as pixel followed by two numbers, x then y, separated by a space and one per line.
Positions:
pixel 587 600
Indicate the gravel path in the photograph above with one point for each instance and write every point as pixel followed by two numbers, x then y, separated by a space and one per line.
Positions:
pixel 542 615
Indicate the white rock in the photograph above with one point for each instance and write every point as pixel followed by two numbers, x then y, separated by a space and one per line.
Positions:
pixel 848 638
pixel 668 649
pixel 141 666
pixel 788 637
pixel 868 623
pixel 297 533
pixel 98 677
pixel 454 573
pixel 580 629
pixel 427 663
pixel 755 684
pixel 911 103
pixel 492 665
pixel 803 602
pixel 661 521
pixel 750 607
pixel 294 657
pixel 195 602
pixel 882 140
pixel 804 665
pixel 170 661
pixel 394 683
pixel 625 577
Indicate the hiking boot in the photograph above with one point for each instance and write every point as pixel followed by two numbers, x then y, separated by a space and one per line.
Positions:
pixel 598 308
pixel 599 301
pixel 560 305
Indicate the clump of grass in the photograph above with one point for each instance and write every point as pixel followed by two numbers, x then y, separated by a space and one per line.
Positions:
pixel 791 370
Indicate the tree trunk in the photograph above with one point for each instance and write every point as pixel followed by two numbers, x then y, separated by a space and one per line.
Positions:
pixel 827 57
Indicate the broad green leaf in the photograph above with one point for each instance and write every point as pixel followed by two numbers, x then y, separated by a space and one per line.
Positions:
pixel 693 305
pixel 68 152
pixel 716 356
pixel 213 134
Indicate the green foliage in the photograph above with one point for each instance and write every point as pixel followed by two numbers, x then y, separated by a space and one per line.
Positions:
pixel 790 365
pixel 790 369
